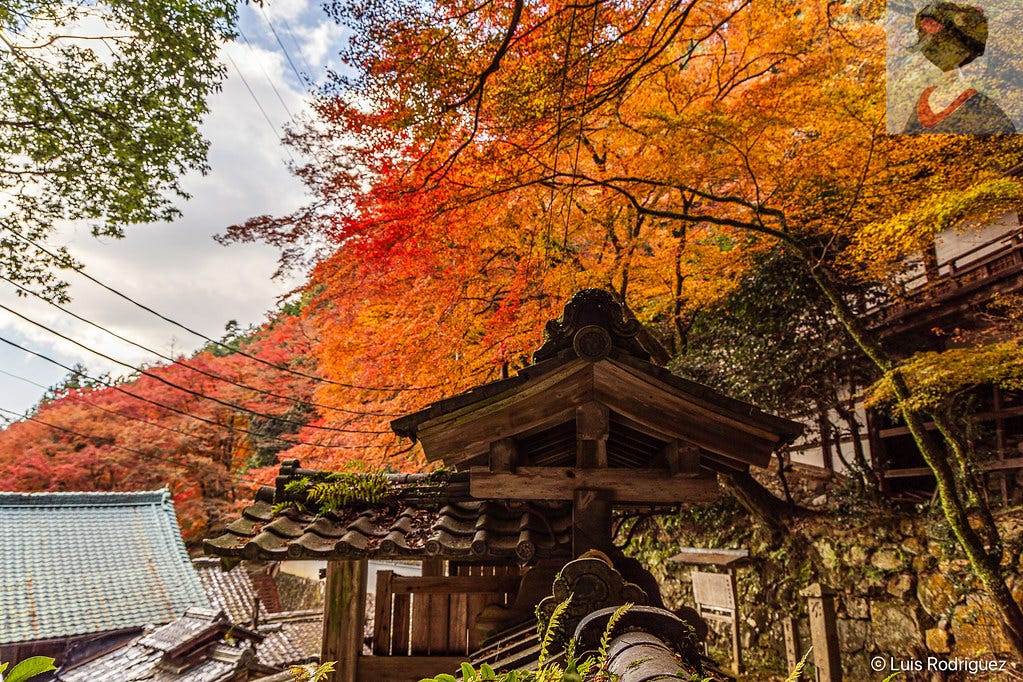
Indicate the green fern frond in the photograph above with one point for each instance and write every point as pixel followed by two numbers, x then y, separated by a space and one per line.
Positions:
pixel 605 638
pixel 280 507
pixel 552 628
pixel 798 670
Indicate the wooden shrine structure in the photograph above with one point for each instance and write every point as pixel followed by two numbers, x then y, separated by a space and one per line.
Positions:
pixel 535 464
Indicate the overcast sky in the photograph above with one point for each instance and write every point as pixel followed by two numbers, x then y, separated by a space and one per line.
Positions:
pixel 177 268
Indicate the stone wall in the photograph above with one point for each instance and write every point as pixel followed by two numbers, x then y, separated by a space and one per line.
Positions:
pixel 905 590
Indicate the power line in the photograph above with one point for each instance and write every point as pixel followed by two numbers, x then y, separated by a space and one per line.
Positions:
pixel 291 34
pixel 78 398
pixel 182 363
pixel 220 344
pixel 268 79
pixel 198 394
pixel 283 49
pixel 258 103
pixel 145 455
pixel 176 410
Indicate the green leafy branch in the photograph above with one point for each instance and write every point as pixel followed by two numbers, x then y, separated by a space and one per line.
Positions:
pixel 27 669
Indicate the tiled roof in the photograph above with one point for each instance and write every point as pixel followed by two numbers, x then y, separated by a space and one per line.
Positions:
pixel 232 591
pixel 291 639
pixel 147 657
pixel 439 520
pixel 80 563
pixel 586 310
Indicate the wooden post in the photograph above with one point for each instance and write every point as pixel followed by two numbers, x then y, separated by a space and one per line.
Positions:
pixel 344 616
pixel 504 455
pixel 592 425
pixel 736 642
pixel 996 405
pixel 793 651
pixel 823 632
pixel 591 521
pixel 683 459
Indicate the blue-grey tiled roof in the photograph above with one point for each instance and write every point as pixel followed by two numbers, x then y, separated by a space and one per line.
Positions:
pixel 79 563
pixel 147 659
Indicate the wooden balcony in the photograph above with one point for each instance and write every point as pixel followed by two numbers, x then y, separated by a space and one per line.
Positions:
pixel 946 291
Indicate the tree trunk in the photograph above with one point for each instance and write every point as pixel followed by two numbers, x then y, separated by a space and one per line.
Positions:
pixel 758 501
pixel 985 560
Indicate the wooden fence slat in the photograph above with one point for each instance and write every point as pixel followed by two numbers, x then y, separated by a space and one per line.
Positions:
pixel 474 604
pixel 382 616
pixel 458 617
pixel 420 625
pixel 402 620
pixel 439 611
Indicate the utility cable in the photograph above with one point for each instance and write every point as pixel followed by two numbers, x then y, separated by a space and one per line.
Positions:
pixel 78 398
pixel 291 34
pixel 145 455
pixel 268 79
pixel 206 373
pixel 176 410
pixel 258 104
pixel 190 391
pixel 304 81
pixel 220 344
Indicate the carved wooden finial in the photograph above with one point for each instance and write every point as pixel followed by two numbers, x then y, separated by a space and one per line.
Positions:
pixel 592 324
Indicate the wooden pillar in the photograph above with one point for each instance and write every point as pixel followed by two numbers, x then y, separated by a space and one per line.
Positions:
pixel 736 642
pixel 824 632
pixel 344 617
pixel 683 459
pixel 591 509
pixel 592 425
pixel 591 521
pixel 504 455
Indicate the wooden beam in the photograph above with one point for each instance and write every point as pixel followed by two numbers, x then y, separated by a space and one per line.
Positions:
pixel 405 668
pixel 1003 464
pixel 994 465
pixel 504 455
pixel 344 615
pixel 454 584
pixel 654 486
pixel 592 426
pixel 658 407
pixel 468 432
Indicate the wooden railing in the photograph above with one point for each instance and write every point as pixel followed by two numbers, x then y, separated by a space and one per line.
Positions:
pixel 436 615
pixel 963 273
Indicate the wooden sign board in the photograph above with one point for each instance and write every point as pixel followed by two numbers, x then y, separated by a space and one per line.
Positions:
pixel 715 598
pixel 714 591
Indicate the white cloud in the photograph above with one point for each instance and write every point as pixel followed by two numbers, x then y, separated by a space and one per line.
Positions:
pixel 322 42
pixel 177 269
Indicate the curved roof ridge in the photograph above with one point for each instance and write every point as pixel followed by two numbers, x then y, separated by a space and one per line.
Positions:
pixel 83 499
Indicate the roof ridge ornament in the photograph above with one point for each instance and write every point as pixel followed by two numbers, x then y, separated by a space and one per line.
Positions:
pixel 592 324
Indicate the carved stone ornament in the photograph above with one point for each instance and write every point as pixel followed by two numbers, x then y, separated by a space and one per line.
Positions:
pixel 592 324
pixel 593 585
